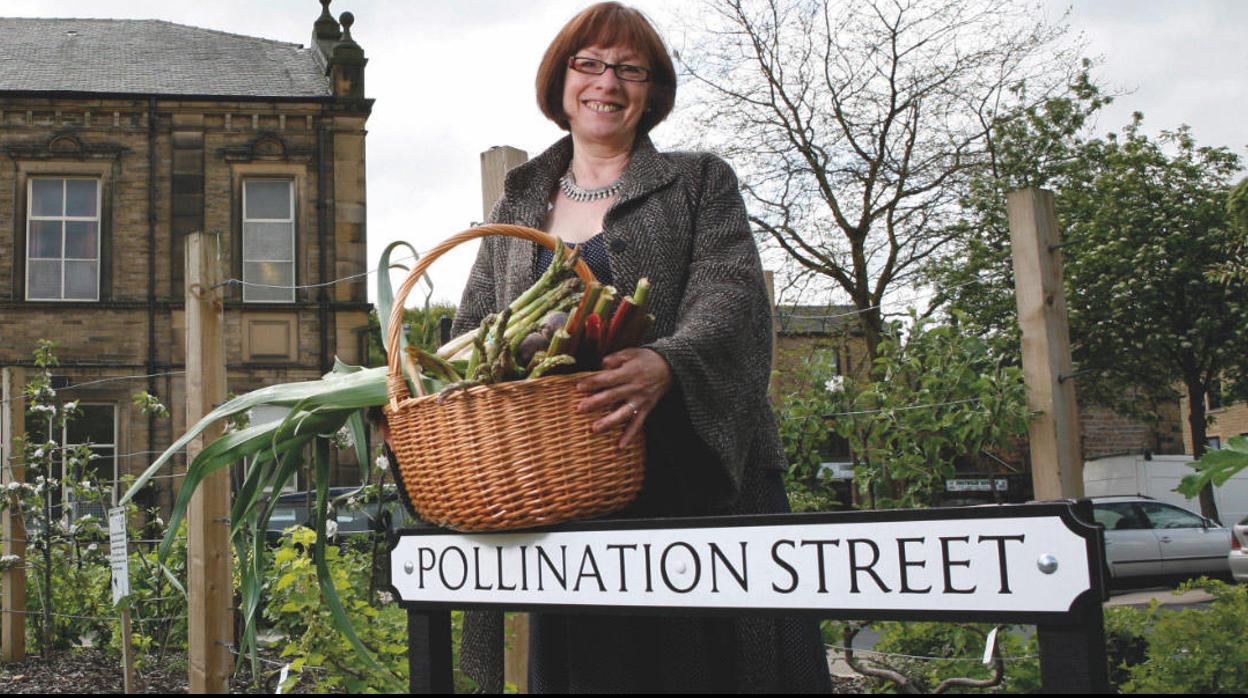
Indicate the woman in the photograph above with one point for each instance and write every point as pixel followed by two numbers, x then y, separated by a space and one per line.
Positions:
pixel 696 391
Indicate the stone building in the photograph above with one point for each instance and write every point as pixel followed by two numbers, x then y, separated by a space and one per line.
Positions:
pixel 120 137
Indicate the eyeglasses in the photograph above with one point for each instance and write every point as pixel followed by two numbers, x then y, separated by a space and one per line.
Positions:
pixel 623 71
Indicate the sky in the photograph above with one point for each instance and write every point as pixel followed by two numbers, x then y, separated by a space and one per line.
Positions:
pixel 452 79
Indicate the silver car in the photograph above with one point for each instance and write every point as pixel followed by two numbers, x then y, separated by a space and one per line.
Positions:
pixel 1145 538
pixel 1238 557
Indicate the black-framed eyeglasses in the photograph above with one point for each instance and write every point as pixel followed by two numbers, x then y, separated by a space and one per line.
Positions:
pixel 623 71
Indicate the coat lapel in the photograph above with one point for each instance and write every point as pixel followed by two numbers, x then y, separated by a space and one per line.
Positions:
pixel 528 188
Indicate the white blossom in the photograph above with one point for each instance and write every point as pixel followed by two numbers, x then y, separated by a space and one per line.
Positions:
pixel 331 528
pixel 382 462
pixel 344 439
pixel 835 384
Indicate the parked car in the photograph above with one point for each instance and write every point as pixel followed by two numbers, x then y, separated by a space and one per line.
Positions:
pixel 1147 540
pixel 1238 557
pixel 293 510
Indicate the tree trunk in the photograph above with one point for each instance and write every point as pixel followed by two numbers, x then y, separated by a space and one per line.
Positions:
pixel 872 332
pixel 1196 423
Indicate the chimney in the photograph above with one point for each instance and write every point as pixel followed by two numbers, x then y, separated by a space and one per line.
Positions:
pixel 346 63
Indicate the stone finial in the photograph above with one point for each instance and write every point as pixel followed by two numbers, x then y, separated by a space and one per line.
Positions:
pixel 346 50
pixel 346 19
pixel 346 62
pixel 326 28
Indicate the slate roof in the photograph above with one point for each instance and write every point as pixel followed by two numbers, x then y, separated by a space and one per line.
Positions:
pixel 816 319
pixel 151 57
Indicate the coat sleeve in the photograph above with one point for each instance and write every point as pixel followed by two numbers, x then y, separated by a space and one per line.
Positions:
pixel 479 297
pixel 720 352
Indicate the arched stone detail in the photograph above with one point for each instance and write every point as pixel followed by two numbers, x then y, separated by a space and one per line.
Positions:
pixel 65 144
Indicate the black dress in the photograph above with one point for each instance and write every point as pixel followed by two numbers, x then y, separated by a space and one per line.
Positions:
pixel 600 653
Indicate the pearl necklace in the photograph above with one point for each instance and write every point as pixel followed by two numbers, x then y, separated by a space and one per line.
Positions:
pixel 575 192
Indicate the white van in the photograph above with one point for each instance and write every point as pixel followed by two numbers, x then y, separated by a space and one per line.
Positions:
pixel 1156 477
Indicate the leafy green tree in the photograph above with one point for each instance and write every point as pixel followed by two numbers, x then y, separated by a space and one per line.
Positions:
pixel 1146 228
pixel 939 398
pixel 422 330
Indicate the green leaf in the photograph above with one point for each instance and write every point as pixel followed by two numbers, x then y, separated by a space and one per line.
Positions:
pixel 328 591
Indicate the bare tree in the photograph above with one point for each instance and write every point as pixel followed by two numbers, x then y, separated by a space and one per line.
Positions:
pixel 855 123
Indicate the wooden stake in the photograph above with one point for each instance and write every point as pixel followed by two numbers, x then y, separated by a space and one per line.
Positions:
pixel 495 163
pixel 12 527
pixel 127 651
pixel 211 615
pixel 1055 439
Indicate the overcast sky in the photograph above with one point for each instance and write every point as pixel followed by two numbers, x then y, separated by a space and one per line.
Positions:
pixel 452 79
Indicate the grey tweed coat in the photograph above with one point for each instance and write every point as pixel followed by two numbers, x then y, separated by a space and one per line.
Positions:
pixel 712 442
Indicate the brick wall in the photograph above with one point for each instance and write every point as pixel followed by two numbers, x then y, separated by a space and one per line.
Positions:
pixel 206 148
pixel 1106 432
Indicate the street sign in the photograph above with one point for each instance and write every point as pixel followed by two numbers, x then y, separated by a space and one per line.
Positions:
pixel 982 484
pixel 1007 563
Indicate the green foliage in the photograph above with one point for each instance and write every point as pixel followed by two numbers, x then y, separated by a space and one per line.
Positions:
pixel 1127 630
pixel 149 404
pixel 1235 268
pixel 804 431
pixel 314 647
pixel 1197 650
pixel 1217 466
pixel 1146 228
pixel 936 397
pixel 79 596
pixel 1035 147
pixel 422 330
pixel 318 657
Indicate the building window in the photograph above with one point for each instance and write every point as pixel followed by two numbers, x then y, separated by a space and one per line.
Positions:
pixel 268 241
pixel 94 425
pixel 63 239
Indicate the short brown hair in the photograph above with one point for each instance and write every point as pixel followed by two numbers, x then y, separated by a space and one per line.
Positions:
pixel 608 24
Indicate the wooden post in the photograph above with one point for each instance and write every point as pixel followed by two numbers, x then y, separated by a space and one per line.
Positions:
pixel 211 615
pixel 12 526
pixel 1056 446
pixel 495 163
pixel 127 652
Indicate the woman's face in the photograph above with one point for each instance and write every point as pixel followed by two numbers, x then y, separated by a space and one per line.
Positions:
pixel 604 109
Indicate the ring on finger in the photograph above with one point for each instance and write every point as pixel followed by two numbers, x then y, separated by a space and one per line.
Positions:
pixel 635 409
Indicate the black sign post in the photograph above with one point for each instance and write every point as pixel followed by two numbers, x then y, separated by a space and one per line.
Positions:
pixel 1036 564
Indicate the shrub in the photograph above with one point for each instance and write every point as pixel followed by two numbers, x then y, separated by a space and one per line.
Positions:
pixel 1197 650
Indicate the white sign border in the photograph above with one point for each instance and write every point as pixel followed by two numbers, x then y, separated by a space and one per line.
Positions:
pixel 1090 533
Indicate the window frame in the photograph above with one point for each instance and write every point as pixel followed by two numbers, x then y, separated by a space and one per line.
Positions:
pixel 98 219
pixel 293 221
pixel 113 478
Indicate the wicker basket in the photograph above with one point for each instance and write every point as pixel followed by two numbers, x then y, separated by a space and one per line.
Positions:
pixel 509 455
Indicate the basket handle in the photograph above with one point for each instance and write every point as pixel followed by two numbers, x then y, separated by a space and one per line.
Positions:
pixel 395 385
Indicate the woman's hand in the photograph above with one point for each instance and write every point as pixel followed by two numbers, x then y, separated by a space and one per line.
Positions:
pixel 630 384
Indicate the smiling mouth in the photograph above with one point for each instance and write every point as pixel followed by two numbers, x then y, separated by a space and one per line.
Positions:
pixel 604 107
